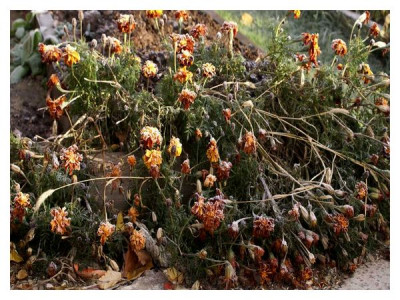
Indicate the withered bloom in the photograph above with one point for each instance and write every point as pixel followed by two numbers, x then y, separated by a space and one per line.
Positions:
pixel 314 51
pixel 185 167
pixel 131 161
pixel 183 75
pixel 137 241
pixel 181 15
pixel 198 30
pixel 53 81
pixel 367 73
pixel 152 14
pixel 228 27
pixel 212 217
pixel 212 151
pixel 133 214
pixel 374 30
pixel 383 105
pixel 198 207
pixel 104 231
pixel 115 172
pixel 21 202
pixel 223 170
pixel 339 46
pixel 187 97
pixel 248 143
pixel 55 106
pixel 175 147
pixel 150 136
pixel 295 212
pixel 115 45
pixel 361 190
pixel 152 158
pixel 340 224
pixel 185 58
pixel 210 180
pixel 125 25
pixel 60 221
pixel 208 70
pixel 227 114
pixel 49 53
pixel 149 69
pixel 263 226
pixel 71 56
pixel 71 159
pixel 198 134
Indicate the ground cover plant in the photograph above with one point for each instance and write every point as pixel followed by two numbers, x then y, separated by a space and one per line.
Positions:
pixel 224 172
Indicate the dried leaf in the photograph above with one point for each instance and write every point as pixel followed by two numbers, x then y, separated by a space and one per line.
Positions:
pixel 89 273
pixel 120 222
pixel 109 279
pixel 14 256
pixel 113 264
pixel 196 285
pixel 22 274
pixel 143 257
pixel 42 198
pixel 173 275
pixel 135 266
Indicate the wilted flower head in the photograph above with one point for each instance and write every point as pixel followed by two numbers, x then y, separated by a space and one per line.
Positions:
pixel 133 214
pixel 115 172
pixel 60 221
pixel 374 30
pixel 149 69
pixel 263 226
pixel 339 46
pixel 175 147
pixel 55 106
pixel 125 25
pixel 150 136
pixel 230 278
pixel 185 58
pixel 198 30
pixel 181 15
pixel 340 223
pixel 370 209
pixel 21 202
pixel 71 159
pixel 383 105
pixel 187 97
pixel 152 14
pixel 137 241
pixel 49 53
pixel 212 217
pixel 230 26
pixel 227 114
pixel 53 81
pixel 248 143
pixel 223 170
pixel 198 207
pixel 208 70
pixel 104 231
pixel 314 50
pixel 198 134
pixel 185 167
pixel 365 70
pixel 131 160
pixel 152 158
pixel 295 211
pixel 212 151
pixel 71 56
pixel 183 75
pixel 209 181
pixel 114 45
pixel 361 190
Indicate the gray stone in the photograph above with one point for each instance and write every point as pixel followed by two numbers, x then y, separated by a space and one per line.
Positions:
pixel 150 280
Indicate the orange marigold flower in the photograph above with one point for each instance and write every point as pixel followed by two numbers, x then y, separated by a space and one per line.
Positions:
pixel 152 158
pixel 223 170
pixel 53 81
pixel 198 30
pixel 263 226
pixel 55 106
pixel 266 273
pixel 367 73
pixel 198 207
pixel 339 46
pixel 212 216
pixel 137 241
pixel 314 50
pixel 300 57
pixel 212 151
pixel 367 16
pixel 187 97
pixel 374 30
pixel 115 172
pixel 208 70
pixel 175 147
pixel 306 38
pixel 185 42
pixel 248 143
pixel 198 134
pixel 71 56
pixel 183 75
pixel 105 230
pixel 185 58
pixel 306 274
pixel 340 223
pixel 60 221
pixel 227 114
pixel 149 69
pixel 209 181
pixel 71 159
pixel 181 15
pixel 150 136
pixel 152 14
pixel 115 45
pixel 296 13
pixel 185 167
pixel 340 67
pixel 131 160
pixel 22 200
pixel 230 26
pixel 49 53
pixel 133 214
pixel 361 190
pixel 126 23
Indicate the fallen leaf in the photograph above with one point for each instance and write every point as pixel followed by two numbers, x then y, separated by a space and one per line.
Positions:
pixel 109 279
pixel 89 273
pixel 173 275
pixel 120 222
pixel 143 257
pixel 135 266
pixel 113 264
pixel 22 274
pixel 14 256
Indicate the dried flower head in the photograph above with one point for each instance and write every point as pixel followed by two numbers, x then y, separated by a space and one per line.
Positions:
pixel 183 75
pixel 228 27
pixel 115 172
pixel 133 214
pixel 185 42
pixel 185 58
pixel 340 224
pixel 55 106
pixel 383 105
pixel 367 16
pixel 208 70
pixel 71 159
pixel 294 213
pixel 266 273
pixel 53 81
pixel 185 167
pixel 374 30
pixel 137 241
pixel 248 143
pixel 125 25
pixel 212 151
pixel 263 226
pixel 104 231
pixel 22 200
pixel 49 53
pixel 187 97
pixel 152 158
pixel 210 180
pixel 339 46
pixel 223 170
pixel 198 207
pixel 367 73
pixel 114 45
pixel 150 136
pixel 175 147
pixel 71 56
pixel 131 161
pixel 199 30
pixel 152 14
pixel 212 217
pixel 60 221
pixel 181 15
pixel 198 134
pixel 370 209
pixel 361 190
pixel 227 114
pixel 149 69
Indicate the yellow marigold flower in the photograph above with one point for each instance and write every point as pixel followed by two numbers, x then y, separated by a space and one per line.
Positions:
pixel 374 30
pixel 22 200
pixel 339 46
pixel 185 167
pixel 175 147
pixel 60 221
pixel 149 69
pixel 183 75
pixel 230 26
pixel 210 180
pixel 49 53
pixel 152 158
pixel 137 59
pixel 365 70
pixel 181 15
pixel 185 58
pixel 152 14
pixel 208 70
pixel 105 230
pixel 248 143
pixel 198 30
pixel 71 159
pixel 137 241
pixel 131 160
pixel 212 151
pixel 296 13
pixel 71 56
pixel 187 97
pixel 55 106
pixel 150 136
pixel 126 23
pixel 133 214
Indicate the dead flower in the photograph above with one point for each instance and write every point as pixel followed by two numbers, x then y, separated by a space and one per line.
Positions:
pixel 208 70
pixel 125 25
pixel 183 75
pixel 227 114
pixel 71 159
pixel 187 97
pixel 55 106
pixel 263 226
pixel 367 73
pixel 131 161
pixel 175 147
pixel 137 241
pixel 150 136
pixel 339 46
pixel 199 30
pixel 223 170
pixel 133 214
pixel 212 151
pixel 361 190
pixel 248 143
pixel 60 221
pixel 374 30
pixel 105 230
pixel 185 58
pixel 185 167
pixel 149 69
pixel 115 172
pixel 181 15
pixel 49 53
pixel 152 158
pixel 230 26
pixel 210 180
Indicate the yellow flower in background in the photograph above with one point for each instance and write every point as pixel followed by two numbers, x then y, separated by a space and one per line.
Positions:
pixel 152 158
pixel 175 147
pixel 152 14
pixel 71 56
pixel 246 19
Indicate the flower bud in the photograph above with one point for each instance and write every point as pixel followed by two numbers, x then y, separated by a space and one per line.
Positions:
pixel 80 15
